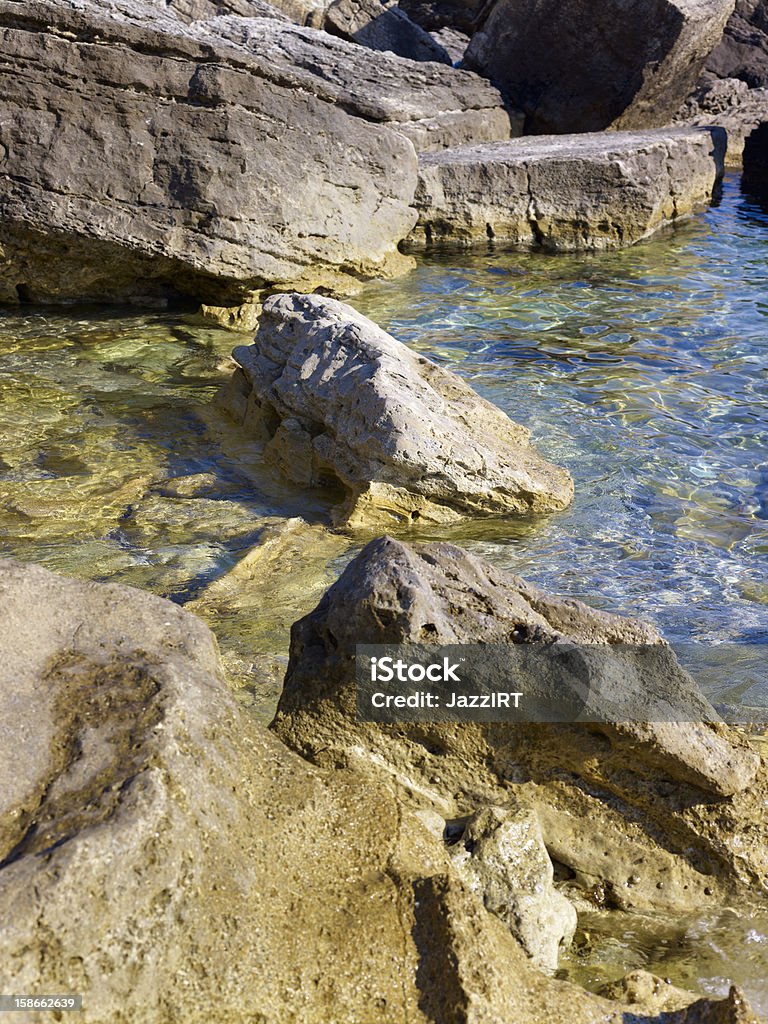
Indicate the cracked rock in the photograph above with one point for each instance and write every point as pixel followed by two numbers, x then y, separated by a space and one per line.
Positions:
pixel 334 398
pixel 594 191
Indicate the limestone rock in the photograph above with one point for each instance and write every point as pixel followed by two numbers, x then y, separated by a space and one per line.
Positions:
pixel 730 105
pixel 333 396
pixel 502 855
pixel 743 50
pixel 383 26
pixel 586 66
pixel 434 106
pixel 645 816
pixel 168 858
pixel 463 15
pixel 591 191
pixel 216 159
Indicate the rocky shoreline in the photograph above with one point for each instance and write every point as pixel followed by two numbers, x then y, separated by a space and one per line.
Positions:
pixel 162 852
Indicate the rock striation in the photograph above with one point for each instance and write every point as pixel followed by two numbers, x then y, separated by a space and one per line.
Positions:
pixel 334 398
pixel 592 191
pixel 586 66
pixel 383 26
pixel 168 858
pixel 659 815
pixel 217 159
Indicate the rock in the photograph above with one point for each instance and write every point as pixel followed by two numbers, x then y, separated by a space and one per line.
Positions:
pixel 755 178
pixel 710 107
pixel 218 159
pixel 585 67
pixel 333 397
pixel 640 988
pixel 592 191
pixel 145 819
pixel 455 44
pixel 502 856
pixel 646 816
pixel 743 50
pixel 462 15
pixel 433 106
pixel 252 605
pixel 382 26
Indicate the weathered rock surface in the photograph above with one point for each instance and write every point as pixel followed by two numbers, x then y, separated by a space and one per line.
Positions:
pixel 591 191
pixel 214 159
pixel 383 26
pixel 463 15
pixel 586 66
pixel 434 106
pixel 502 856
pixel 644 816
pixel 729 104
pixel 333 397
pixel 168 858
pixel 743 50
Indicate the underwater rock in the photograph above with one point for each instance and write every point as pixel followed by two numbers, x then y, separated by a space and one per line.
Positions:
pixel 593 191
pixel 502 856
pixel 587 66
pixel 645 815
pixel 332 396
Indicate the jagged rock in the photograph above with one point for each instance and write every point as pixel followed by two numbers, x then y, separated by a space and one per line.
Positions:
pixel 737 110
pixel 650 816
pixel 332 396
pixel 502 856
pixel 383 26
pixel 145 819
pixel 215 159
pixel 655 995
pixel 743 50
pixel 588 66
pixel 591 191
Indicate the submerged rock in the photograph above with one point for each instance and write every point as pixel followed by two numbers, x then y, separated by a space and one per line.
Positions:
pixel 216 159
pixel 147 821
pixel 590 191
pixel 586 66
pixel 657 815
pixel 331 395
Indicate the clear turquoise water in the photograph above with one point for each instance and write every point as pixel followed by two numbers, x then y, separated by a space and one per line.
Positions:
pixel 645 372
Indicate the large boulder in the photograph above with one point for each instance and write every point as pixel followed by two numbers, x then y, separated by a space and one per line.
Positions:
pixel 383 26
pixel 591 191
pixel 334 398
pixel 587 65
pixel 650 815
pixel 168 859
pixel 743 51
pixel 216 159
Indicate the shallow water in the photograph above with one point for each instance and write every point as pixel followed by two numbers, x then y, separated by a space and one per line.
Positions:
pixel 643 371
